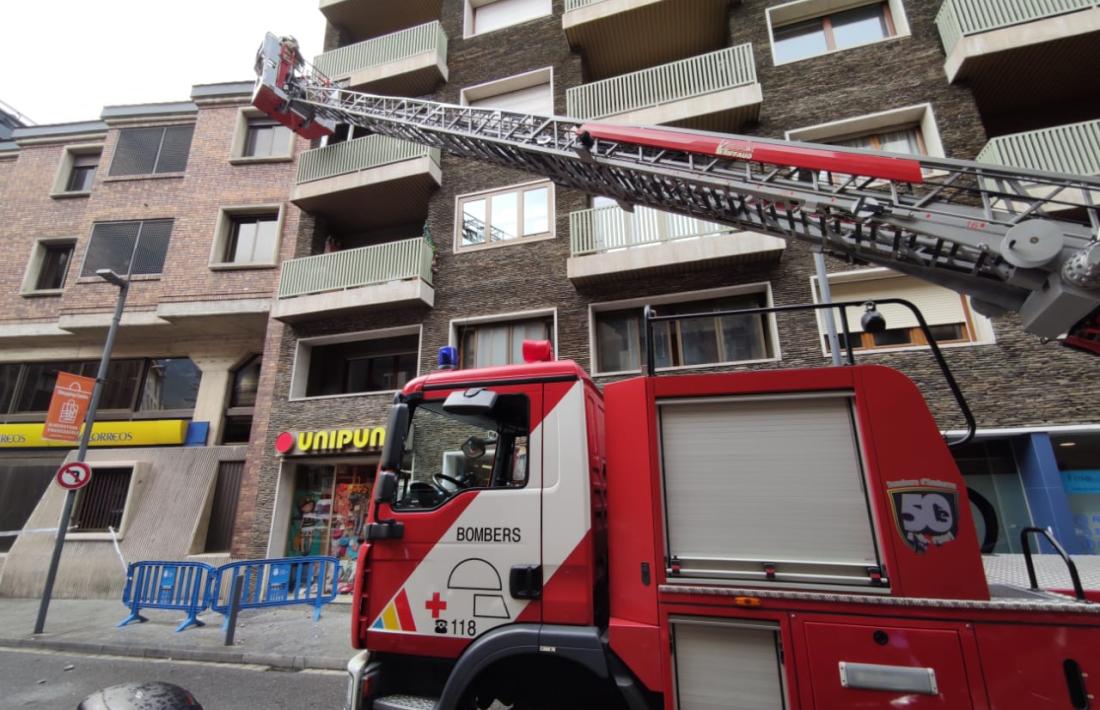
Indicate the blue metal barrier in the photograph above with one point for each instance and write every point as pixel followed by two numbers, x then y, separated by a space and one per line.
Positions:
pixel 168 585
pixel 277 582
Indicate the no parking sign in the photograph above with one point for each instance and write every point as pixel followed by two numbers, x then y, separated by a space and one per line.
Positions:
pixel 74 475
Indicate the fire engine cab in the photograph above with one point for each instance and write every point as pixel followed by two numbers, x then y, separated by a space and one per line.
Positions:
pixel 772 539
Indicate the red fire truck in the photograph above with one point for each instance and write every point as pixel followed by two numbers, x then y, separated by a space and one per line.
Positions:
pixel 773 539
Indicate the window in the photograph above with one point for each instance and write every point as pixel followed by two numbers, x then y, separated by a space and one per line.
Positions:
pixel 252 239
pixel 448 453
pixel 948 314
pixel 77 170
pixel 82 173
pixel 101 503
pixel 683 343
pixel 128 248
pixel 242 400
pixel 223 510
pixel 499 343
pixel 22 483
pixel 909 130
pixel 809 28
pixel 49 266
pixel 265 138
pixel 171 383
pixel 492 219
pixel 152 151
pixel 530 92
pixel 26 388
pixel 487 15
pixel 371 365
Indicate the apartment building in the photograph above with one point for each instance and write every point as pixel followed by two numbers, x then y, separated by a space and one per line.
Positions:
pixel 411 250
pixel 186 200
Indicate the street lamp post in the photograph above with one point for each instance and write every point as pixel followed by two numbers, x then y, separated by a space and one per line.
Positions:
pixel 70 497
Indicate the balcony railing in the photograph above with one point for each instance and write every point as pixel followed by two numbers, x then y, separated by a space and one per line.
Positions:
pixel 603 229
pixel 341 62
pixel 380 263
pixel 359 154
pixel 961 18
pixel 715 71
pixel 1074 148
pixel 578 4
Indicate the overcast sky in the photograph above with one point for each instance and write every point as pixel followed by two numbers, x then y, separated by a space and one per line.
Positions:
pixel 69 58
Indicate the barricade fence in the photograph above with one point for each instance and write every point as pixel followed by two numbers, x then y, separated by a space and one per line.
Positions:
pixel 194 587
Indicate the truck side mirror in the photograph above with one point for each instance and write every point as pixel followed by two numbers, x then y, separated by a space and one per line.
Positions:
pixel 396 430
pixel 385 487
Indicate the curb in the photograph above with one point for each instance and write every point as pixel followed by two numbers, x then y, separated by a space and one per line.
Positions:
pixel 209 655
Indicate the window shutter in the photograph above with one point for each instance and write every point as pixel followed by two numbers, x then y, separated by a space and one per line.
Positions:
pixel 111 246
pixel 533 99
pixel 502 13
pixel 174 150
pixel 136 153
pixel 938 305
pixel 152 247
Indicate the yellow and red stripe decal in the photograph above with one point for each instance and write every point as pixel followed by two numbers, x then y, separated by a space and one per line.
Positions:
pixel 396 616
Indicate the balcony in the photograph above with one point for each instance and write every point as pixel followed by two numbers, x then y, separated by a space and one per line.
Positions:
pixel 363 19
pixel 716 91
pixel 390 275
pixel 393 177
pixel 1072 149
pixel 1015 52
pixel 406 63
pixel 607 31
pixel 608 243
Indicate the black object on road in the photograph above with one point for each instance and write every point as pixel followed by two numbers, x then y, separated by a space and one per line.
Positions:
pixel 154 695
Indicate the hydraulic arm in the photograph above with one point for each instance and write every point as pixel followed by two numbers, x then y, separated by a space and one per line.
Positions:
pixel 1014 240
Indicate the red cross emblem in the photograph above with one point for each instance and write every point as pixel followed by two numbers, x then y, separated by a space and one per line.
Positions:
pixel 435 605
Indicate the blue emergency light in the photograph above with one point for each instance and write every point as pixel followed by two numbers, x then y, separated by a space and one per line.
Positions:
pixel 448 357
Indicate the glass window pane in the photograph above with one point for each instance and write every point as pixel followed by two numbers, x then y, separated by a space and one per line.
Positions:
pixel 536 211
pixel 246 382
pixel 123 379
pixel 859 26
pixel 743 338
pixel 663 346
pixel 473 222
pixel 700 341
pixel 9 377
pixel 892 336
pixel 171 383
pixel 904 141
pixel 55 264
pixel 946 332
pixel 243 241
pixel 618 342
pixel 266 236
pixel 505 214
pixel 280 140
pixel 798 41
pixel 492 346
pixel 34 396
pixel 261 137
pixel 152 247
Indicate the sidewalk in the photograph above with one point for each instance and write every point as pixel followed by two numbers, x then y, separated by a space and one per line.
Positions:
pixel 280 638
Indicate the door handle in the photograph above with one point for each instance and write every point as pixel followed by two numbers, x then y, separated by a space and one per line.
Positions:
pixel 525 581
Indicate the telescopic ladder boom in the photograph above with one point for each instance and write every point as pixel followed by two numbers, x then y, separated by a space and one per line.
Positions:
pixel 1014 240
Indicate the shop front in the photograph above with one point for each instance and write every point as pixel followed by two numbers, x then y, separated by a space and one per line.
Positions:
pixel 324 493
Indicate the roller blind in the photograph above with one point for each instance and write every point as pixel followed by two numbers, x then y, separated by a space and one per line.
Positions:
pixel 152 150
pixel 533 99
pixel 727 666
pixel 939 306
pixel 502 13
pixel 768 479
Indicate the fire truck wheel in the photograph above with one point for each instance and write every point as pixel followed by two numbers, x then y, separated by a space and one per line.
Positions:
pixel 542 684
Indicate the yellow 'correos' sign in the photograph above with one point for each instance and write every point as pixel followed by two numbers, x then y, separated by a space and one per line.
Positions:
pixel 155 432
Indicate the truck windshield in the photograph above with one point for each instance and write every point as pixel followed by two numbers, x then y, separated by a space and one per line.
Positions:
pixel 447 453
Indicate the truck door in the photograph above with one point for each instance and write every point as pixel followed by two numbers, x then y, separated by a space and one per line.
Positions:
pixel 469 499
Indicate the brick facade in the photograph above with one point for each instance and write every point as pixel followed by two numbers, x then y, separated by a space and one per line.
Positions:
pixel 1015 381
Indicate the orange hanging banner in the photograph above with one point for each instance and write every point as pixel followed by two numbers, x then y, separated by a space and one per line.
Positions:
pixel 69 403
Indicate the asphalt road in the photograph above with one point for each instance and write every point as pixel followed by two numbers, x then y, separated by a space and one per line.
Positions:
pixel 216 686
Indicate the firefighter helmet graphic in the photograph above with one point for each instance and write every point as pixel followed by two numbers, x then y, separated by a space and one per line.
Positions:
pixel 926 512
pixel 479 576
